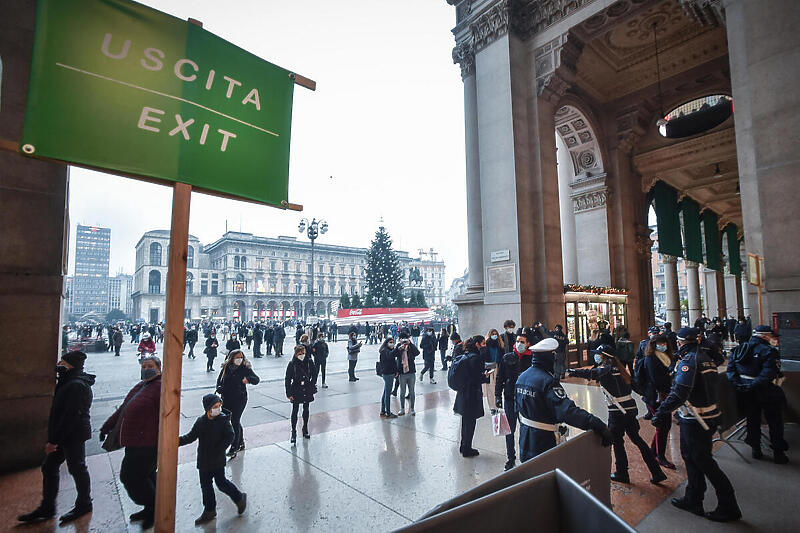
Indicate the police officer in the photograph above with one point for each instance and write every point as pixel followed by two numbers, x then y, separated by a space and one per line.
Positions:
pixel 615 382
pixel 652 333
pixel 541 403
pixel 753 367
pixel 693 391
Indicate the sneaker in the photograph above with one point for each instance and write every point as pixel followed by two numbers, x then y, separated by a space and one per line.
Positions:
pixel 324 386
pixel 231 453
pixel 241 447
pixel 683 504
pixel 383 415
pixel 37 515
pixel 470 452
pixel 421 377
pixel 433 382
pixel 401 412
pixel 306 434
pixel 75 513
pixel 724 515
pixel 206 517
pixel 140 515
pixel 509 465
pixel 241 505
pixel 394 393
pixel 412 412
pixel 391 415
pixel 620 477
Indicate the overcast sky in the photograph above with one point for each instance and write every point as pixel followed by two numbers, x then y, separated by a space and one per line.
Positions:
pixel 382 136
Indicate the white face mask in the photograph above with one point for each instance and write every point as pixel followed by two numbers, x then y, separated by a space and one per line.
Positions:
pixel 237 361
pixel 520 347
pixel 509 330
pixel 390 345
pixel 661 347
pixel 301 356
pixel 215 411
pixel 598 358
pixel 494 337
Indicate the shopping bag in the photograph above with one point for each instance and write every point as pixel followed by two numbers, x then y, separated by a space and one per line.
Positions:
pixel 500 426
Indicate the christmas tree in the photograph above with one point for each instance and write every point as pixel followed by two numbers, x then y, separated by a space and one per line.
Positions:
pixel 398 300
pixel 344 302
pixel 421 302
pixel 384 301
pixel 369 301
pixel 384 277
pixel 355 302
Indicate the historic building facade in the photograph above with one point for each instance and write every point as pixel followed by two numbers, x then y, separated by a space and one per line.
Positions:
pixel 245 276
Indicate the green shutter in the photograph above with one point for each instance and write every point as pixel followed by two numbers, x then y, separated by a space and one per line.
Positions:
pixel 711 234
pixel 669 222
pixel 693 239
pixel 734 261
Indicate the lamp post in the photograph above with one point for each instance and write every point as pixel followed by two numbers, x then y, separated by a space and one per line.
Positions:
pixel 312 229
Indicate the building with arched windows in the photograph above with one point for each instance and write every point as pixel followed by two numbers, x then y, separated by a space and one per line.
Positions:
pixel 245 276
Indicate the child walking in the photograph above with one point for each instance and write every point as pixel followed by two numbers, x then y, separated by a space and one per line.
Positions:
pixel 214 433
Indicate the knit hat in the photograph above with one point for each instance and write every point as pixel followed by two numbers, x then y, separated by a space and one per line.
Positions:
pixel 209 400
pixel 75 358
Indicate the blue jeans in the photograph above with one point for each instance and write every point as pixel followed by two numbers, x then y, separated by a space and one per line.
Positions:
pixel 388 381
pixel 224 484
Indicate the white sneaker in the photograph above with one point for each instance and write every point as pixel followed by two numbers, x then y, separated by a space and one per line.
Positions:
pixel 401 412
pixel 433 382
pixel 412 412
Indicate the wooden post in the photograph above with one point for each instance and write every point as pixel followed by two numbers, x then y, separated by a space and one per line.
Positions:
pixel 169 417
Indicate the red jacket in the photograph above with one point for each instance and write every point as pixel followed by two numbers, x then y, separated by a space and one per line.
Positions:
pixel 140 420
pixel 147 346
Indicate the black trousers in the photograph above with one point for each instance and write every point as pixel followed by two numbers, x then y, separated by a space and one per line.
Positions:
pixel 429 364
pixel 321 364
pixel 138 475
pixel 295 408
pixel 700 464
pixel 754 404
pixel 621 424
pixel 237 409
pixel 512 423
pixel 269 347
pixel 279 347
pixel 191 349
pixel 223 483
pixel 659 443
pixel 534 441
pixel 467 432
pixel 116 349
pixel 256 349
pixel 351 368
pixel 74 453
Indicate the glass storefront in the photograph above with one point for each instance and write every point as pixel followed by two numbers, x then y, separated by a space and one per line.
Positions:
pixel 587 312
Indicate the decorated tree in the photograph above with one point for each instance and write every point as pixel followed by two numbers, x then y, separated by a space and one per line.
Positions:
pixel 344 302
pixel 369 301
pixel 413 299
pixel 421 302
pixel 355 302
pixel 398 300
pixel 384 301
pixel 384 277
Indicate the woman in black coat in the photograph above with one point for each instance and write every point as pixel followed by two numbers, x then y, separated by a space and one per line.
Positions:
pixel 301 385
pixel 469 401
pixel 211 350
pixel 232 383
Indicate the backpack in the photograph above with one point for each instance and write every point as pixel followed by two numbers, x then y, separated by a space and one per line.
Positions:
pixel 639 377
pixel 458 373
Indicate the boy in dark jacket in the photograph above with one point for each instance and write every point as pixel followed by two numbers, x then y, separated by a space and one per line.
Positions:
pixel 214 434
pixel 320 351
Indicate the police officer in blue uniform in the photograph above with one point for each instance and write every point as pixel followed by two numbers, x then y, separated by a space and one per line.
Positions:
pixel 753 367
pixel 541 403
pixel 652 333
pixel 615 382
pixel 693 391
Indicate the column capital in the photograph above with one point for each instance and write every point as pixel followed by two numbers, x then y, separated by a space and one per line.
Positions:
pixel 669 259
pixel 464 56
pixel 692 264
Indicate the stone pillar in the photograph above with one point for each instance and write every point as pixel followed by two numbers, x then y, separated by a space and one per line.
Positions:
pixel 693 290
pixel 568 242
pixel 722 302
pixel 474 226
pixel 739 296
pixel 763 46
pixel 33 203
pixel 671 288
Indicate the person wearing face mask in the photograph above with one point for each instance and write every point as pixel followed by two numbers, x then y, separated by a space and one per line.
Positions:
pixel 236 374
pixel 656 378
pixel 652 333
pixel 68 429
pixel 213 432
pixel 615 382
pixel 752 370
pixel 137 421
pixel 428 346
pixel 405 353
pixel 694 392
pixel 541 403
pixel 495 348
pixel 508 336
pixel 387 369
pixel 469 399
pixel 511 366
pixel 320 353
pixel 233 343
pixel 353 348
pixel 301 385
pixel 443 341
pixel 211 350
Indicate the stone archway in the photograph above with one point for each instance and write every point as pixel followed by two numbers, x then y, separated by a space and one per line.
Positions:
pixel 259 307
pixel 239 310
pixel 582 198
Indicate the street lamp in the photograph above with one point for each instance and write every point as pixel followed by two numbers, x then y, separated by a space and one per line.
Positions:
pixel 312 230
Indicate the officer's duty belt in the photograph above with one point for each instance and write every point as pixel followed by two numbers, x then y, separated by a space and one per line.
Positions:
pixel 746 377
pixel 708 409
pixel 536 425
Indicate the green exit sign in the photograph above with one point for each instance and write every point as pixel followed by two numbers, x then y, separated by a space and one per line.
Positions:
pixel 119 86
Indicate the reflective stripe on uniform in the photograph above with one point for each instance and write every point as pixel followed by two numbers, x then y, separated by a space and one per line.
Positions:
pixel 534 424
pixel 746 377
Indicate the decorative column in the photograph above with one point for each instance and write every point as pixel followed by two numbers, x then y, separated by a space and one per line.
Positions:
pixel 693 289
pixel 722 303
pixel 671 288
pixel 464 55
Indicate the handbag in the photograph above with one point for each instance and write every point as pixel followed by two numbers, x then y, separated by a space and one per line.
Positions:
pixel 378 368
pixel 112 442
pixel 500 426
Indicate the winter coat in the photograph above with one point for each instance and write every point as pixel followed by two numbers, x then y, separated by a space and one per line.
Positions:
pixel 214 435
pixel 280 334
pixel 415 331
pixel 443 341
pixel 509 339
pixel 320 351
pixel 211 347
pixel 412 353
pixel 147 346
pixel 191 336
pixel 353 347
pixel 140 420
pixel 469 401
pixel 508 370
pixel 258 336
pixel 428 345
pixel 301 380
pixel 387 360
pixel 117 338
pixel 230 386
pixel 625 351
pixel 69 412
pixel 233 344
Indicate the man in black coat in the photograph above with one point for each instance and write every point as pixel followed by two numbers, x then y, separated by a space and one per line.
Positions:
pixel 68 429
pixel 191 340
pixel 280 334
pixel 269 336
pixel 258 338
pixel 469 401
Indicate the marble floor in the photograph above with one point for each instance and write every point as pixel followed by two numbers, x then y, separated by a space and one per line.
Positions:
pixel 356 473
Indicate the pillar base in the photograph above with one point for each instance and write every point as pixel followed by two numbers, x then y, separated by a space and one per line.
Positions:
pixel 475 317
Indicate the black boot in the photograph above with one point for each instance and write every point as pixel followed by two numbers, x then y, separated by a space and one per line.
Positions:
pixel 204 518
pixel 40 514
pixel 683 504
pixel 620 477
pixel 75 513
pixel 294 437
pixel 306 434
pixel 724 515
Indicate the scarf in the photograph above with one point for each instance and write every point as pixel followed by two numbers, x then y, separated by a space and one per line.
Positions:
pixel 526 352
pixel 664 358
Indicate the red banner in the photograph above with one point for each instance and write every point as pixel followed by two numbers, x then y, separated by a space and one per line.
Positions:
pixel 367 312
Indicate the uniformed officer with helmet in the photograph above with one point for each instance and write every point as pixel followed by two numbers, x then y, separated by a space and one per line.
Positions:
pixel 541 403
pixel 752 370
pixel 694 393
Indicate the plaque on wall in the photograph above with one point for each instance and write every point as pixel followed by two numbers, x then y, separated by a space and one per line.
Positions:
pixel 500 255
pixel 501 278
